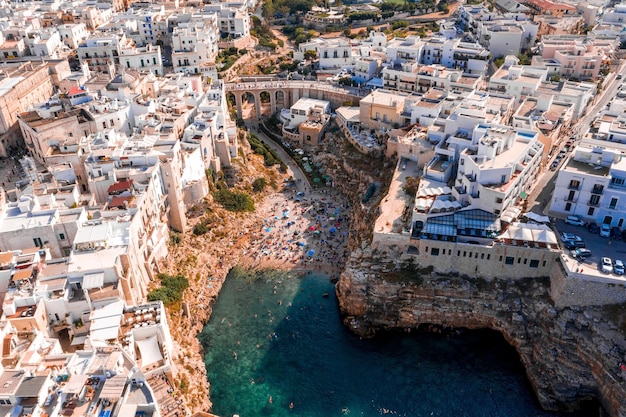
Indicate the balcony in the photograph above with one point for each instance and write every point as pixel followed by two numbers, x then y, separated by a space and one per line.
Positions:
pixel 598 190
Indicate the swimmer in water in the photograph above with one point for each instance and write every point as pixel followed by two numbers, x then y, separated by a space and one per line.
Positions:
pixel 235 355
pixel 270 400
pixel 291 405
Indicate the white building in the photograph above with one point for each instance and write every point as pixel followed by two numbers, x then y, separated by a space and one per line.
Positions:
pixel 302 108
pixel 145 58
pixel 194 46
pixel 592 184
pixel 73 34
pixel 496 171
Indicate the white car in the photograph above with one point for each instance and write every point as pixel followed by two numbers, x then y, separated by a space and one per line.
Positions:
pixel 618 267
pixel 605 230
pixel 574 220
pixel 607 265
pixel 571 237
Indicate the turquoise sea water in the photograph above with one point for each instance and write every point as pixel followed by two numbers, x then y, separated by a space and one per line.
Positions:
pixel 275 346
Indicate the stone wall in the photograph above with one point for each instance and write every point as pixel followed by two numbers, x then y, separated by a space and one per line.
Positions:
pixel 574 289
pixel 487 262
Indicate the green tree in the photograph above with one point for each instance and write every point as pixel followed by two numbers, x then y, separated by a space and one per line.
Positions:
pixel 268 9
pixel 259 184
pixel 411 185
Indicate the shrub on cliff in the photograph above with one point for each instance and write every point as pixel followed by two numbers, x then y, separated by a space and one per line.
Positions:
pixel 171 290
pixel 234 201
pixel 259 184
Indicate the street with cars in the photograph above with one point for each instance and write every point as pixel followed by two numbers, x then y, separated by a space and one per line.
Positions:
pixel 586 244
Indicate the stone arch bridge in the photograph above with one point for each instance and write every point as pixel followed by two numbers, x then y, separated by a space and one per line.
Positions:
pixel 283 94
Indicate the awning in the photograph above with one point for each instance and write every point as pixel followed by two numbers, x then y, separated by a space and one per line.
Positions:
pixel 433 191
pixel 113 387
pixel 75 384
pixel 150 352
pixel 537 217
pixel 21 274
pixel 105 322
pixel 91 281
pixel 78 340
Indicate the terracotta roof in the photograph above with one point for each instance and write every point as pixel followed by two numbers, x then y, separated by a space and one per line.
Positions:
pixel 120 186
pixel 76 90
pixel 6 257
pixel 22 274
pixel 119 201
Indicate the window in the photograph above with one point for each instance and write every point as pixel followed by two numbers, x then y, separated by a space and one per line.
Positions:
pixel 575 184
pixel 568 206
pixel 571 196
pixel 335 54
pixel 62 236
pixel 590 211
pixel 534 263
pixel 509 260
pixel 613 203
pixel 434 251
pixel 37 242
pixel 598 188
pixel 594 200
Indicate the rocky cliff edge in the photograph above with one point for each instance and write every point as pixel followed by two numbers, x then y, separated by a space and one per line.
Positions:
pixel 571 355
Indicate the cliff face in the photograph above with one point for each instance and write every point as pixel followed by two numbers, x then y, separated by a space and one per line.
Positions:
pixel 570 355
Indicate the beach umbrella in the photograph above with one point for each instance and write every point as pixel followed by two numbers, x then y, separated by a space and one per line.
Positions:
pixel 268 229
pixel 331 218
pixel 317 179
pixel 310 253
pixel 317 232
pixel 302 244
pixel 333 230
pixel 312 228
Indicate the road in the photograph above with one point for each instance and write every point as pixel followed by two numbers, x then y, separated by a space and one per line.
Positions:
pixel 538 201
pixel 293 169
pixel 610 88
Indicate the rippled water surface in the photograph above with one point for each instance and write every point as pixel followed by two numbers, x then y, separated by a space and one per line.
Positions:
pixel 275 346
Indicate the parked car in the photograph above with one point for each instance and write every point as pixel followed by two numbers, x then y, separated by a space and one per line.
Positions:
pixel 570 236
pixel 606 265
pixel 618 267
pixel 593 228
pixel 580 253
pixel 574 220
pixel 605 230
pixel 573 244
pixel 616 233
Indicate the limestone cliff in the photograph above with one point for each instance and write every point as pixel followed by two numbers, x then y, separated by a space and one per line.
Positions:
pixel 570 355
